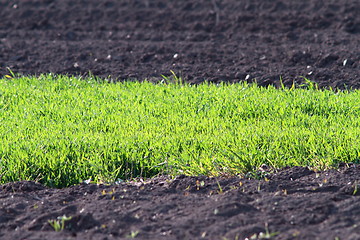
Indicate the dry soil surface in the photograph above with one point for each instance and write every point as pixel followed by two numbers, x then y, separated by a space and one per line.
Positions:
pixel 293 203
pixel 212 40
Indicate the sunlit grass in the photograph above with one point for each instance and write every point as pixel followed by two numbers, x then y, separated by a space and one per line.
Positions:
pixel 62 130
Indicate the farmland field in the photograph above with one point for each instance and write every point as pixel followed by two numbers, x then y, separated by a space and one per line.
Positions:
pixel 179 119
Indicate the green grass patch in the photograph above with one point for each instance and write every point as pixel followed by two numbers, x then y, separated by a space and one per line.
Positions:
pixel 62 130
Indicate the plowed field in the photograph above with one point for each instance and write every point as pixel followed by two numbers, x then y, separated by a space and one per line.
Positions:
pixel 204 40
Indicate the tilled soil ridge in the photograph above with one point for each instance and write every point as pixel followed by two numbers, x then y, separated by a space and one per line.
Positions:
pixel 294 203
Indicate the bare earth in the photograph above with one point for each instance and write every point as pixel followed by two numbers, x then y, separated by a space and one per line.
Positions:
pixel 294 203
pixel 213 40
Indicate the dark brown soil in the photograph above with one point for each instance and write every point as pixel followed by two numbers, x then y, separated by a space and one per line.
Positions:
pixel 214 40
pixel 295 203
